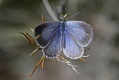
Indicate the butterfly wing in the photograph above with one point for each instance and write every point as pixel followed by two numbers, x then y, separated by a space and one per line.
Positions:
pixel 54 47
pixel 50 38
pixel 45 32
pixel 72 49
pixel 81 31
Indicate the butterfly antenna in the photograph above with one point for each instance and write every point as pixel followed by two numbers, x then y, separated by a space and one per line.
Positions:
pixel 65 16
pixel 73 15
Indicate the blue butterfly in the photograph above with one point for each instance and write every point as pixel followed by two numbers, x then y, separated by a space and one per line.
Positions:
pixel 69 37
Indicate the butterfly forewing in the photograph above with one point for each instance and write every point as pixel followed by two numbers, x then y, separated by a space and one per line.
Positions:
pixel 45 32
pixel 81 31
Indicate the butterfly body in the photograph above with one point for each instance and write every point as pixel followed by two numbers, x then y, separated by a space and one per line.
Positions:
pixel 63 28
pixel 68 37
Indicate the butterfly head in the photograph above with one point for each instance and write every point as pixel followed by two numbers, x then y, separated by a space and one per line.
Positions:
pixel 64 18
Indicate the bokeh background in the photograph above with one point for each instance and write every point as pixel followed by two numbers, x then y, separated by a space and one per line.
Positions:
pixel 21 15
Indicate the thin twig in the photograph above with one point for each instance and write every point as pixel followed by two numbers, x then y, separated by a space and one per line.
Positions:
pixel 49 9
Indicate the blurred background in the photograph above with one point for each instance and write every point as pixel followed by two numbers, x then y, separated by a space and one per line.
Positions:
pixel 21 15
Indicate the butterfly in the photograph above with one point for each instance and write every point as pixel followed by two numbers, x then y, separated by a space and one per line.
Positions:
pixel 56 37
pixel 69 37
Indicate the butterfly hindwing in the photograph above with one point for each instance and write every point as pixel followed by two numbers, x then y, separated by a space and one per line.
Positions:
pixel 81 31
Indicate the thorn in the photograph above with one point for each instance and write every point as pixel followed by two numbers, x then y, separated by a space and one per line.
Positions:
pixel 82 59
pixel 37 66
pixel 63 58
pixel 30 39
pixel 33 52
pixel 75 69
pixel 57 58
pixel 42 64
pixel 25 35
pixel 32 30
pixel 86 56
pixel 43 20
pixel 68 63
pixel 36 37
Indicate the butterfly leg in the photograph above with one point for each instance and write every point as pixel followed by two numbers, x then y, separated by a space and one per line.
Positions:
pixel 42 64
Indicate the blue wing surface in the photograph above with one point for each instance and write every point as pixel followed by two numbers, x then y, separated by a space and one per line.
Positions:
pixel 46 32
pixel 54 47
pixel 81 31
pixel 72 49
